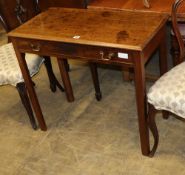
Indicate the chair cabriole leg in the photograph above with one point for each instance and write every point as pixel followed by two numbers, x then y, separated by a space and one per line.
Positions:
pixel 165 114
pixel 153 128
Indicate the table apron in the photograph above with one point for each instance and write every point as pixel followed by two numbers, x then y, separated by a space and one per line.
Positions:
pixel 105 55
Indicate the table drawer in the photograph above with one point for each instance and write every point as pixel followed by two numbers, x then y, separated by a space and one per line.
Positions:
pixel 70 50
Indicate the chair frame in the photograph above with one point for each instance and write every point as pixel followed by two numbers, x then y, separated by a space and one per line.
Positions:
pixel 181 56
pixel 19 11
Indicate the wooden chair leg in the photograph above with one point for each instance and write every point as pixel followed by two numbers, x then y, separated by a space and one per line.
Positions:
pixel 152 125
pixel 94 73
pixel 174 50
pixel 165 114
pixel 53 80
pixel 26 102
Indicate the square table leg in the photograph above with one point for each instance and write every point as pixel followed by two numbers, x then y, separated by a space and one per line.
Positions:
pixel 139 73
pixel 65 79
pixel 30 88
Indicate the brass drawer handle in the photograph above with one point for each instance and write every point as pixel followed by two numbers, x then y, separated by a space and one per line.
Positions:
pixel 35 48
pixel 109 56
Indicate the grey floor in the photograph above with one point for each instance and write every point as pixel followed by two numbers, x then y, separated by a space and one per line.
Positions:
pixel 85 137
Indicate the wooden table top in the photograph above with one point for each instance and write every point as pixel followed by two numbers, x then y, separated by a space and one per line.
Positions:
pixel 119 29
pixel 159 6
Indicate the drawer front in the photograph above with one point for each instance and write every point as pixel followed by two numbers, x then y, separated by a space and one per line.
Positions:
pixel 68 50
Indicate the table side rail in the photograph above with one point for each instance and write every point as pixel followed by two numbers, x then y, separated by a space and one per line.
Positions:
pixel 100 54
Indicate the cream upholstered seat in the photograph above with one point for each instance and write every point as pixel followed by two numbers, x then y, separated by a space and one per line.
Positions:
pixel 168 93
pixel 10 72
pixel 12 15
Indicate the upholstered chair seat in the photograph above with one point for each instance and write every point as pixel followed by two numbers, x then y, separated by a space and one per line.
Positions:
pixel 10 72
pixel 13 14
pixel 168 93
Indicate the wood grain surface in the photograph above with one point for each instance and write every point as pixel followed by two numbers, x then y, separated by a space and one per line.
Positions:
pixel 120 29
